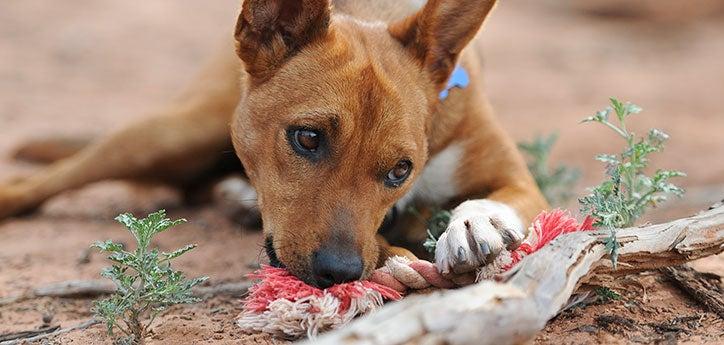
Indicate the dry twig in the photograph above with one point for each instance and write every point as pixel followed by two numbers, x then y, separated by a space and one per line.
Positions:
pixel 93 288
pixel 32 336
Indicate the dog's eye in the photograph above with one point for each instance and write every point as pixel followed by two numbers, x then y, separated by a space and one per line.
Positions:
pixel 306 139
pixel 398 174
pixel 305 142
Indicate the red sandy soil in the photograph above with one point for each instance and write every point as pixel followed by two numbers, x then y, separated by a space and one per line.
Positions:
pixel 86 67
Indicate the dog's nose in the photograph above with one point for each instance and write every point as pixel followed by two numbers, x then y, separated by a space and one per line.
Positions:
pixel 334 266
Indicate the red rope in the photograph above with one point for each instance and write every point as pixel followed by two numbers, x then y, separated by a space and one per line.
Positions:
pixel 283 305
pixel 402 275
pixel 399 274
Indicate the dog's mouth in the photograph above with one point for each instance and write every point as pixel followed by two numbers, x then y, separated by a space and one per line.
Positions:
pixel 387 224
pixel 271 253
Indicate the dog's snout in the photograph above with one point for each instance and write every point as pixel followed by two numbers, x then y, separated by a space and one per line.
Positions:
pixel 334 267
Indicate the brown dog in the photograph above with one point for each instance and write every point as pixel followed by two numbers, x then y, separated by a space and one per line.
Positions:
pixel 337 117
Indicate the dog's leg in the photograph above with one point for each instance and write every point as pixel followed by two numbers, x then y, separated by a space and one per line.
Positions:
pixel 177 142
pixel 49 150
pixel 387 251
pixel 501 197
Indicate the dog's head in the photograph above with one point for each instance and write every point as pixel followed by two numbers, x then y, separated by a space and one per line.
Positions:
pixel 333 123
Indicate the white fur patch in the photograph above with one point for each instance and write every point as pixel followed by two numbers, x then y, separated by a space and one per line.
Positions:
pixel 477 232
pixel 235 193
pixel 437 184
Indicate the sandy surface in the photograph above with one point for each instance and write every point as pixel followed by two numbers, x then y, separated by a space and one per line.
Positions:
pixel 86 67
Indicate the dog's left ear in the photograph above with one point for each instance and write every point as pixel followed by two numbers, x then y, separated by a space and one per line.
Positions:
pixel 439 31
pixel 271 31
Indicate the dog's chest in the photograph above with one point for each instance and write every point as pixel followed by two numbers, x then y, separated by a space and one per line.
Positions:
pixel 437 183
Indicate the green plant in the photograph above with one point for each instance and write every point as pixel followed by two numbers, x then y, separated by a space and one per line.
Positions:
pixel 557 183
pixel 145 282
pixel 436 225
pixel 626 193
pixel 606 295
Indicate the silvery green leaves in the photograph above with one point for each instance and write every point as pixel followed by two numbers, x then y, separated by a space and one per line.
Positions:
pixel 624 196
pixel 145 282
pixel 178 252
pixel 144 229
pixel 557 183
pixel 607 158
pixel 622 110
pixel 657 138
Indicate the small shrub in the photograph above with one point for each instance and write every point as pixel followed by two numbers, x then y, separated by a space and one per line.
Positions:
pixel 627 191
pixel 145 282
pixel 556 184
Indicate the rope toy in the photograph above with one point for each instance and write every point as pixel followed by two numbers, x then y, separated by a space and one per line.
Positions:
pixel 284 306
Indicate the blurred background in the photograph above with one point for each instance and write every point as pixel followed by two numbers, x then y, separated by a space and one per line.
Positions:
pixel 86 67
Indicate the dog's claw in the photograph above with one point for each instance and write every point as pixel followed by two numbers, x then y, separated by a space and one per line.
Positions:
pixel 460 254
pixel 507 236
pixel 485 248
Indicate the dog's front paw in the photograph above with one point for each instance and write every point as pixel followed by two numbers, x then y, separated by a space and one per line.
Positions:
pixel 237 199
pixel 478 231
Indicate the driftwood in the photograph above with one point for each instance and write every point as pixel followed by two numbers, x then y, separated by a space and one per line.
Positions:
pixel 703 287
pixel 514 310
pixel 93 288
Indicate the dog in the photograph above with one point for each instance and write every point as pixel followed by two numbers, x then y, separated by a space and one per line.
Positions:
pixel 343 115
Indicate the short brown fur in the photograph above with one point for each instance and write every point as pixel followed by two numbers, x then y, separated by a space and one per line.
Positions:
pixel 371 87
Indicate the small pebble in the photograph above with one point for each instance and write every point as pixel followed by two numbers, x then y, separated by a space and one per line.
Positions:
pixel 84 256
pixel 47 318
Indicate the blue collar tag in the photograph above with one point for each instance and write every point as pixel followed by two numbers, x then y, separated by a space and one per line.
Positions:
pixel 459 78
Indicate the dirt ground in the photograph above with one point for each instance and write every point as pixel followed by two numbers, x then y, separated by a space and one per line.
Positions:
pixel 86 67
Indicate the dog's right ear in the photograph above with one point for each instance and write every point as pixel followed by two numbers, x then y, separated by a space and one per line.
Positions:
pixel 437 34
pixel 269 32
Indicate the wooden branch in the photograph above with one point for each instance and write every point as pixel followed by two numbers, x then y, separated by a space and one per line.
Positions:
pixel 27 334
pixel 94 288
pixel 224 289
pixel 513 311
pixel 703 287
pixel 54 332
